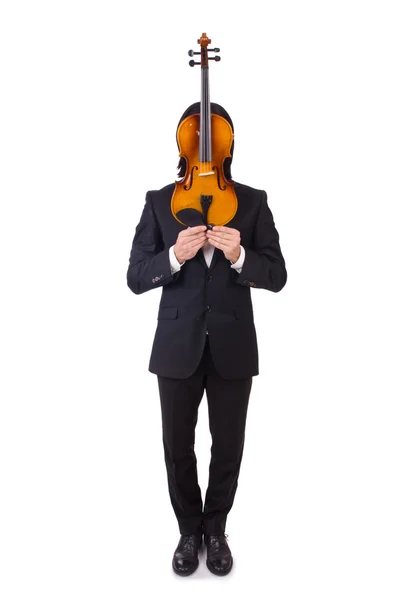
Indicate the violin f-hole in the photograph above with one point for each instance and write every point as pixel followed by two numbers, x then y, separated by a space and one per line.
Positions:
pixel 185 187
pixel 215 168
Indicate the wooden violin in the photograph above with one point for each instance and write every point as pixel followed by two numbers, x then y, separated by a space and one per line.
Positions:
pixel 204 195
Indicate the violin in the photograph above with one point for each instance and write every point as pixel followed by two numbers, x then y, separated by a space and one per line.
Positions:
pixel 204 196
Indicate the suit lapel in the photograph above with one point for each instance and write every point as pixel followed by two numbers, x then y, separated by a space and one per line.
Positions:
pixel 215 256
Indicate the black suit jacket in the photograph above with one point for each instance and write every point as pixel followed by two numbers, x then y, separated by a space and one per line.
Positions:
pixel 199 298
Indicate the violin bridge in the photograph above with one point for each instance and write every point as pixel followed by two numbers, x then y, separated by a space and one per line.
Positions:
pixel 205 174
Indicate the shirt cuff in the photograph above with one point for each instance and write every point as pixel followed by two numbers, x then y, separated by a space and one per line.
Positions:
pixel 174 263
pixel 238 265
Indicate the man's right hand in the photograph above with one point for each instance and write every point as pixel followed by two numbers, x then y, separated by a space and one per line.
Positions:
pixel 189 242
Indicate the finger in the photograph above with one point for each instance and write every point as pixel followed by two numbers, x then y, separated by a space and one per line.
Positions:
pixel 221 245
pixel 231 233
pixel 193 245
pixel 190 238
pixel 223 228
pixel 224 236
pixel 198 236
pixel 194 230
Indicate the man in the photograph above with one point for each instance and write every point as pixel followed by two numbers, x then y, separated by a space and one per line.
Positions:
pixel 205 340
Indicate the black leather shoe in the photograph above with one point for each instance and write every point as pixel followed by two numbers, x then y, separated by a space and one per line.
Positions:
pixel 219 556
pixel 185 560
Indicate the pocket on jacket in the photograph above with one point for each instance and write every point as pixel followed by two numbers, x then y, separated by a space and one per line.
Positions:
pixel 167 312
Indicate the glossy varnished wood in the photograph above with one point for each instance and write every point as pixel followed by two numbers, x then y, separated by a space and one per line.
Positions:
pixel 197 181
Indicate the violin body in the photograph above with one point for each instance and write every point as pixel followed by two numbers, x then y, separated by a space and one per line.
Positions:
pixel 205 178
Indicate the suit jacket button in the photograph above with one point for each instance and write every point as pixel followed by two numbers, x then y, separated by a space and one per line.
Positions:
pixel 208 308
pixel 209 277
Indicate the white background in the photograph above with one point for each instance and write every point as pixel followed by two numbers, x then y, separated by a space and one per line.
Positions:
pixel 91 94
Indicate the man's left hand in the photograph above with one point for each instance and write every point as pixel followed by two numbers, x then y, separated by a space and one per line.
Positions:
pixel 226 239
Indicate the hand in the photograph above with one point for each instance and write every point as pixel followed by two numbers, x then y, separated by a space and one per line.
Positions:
pixel 226 239
pixel 189 242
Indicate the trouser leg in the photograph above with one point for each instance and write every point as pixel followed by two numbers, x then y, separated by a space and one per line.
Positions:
pixel 227 411
pixel 180 400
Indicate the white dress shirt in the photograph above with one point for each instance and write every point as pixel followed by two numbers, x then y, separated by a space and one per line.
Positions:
pixel 208 251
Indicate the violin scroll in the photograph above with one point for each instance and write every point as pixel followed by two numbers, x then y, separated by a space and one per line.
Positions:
pixel 204 41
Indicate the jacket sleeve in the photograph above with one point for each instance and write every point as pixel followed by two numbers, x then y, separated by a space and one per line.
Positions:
pixel 149 265
pixel 264 265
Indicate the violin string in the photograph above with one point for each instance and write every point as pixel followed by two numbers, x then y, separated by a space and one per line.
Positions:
pixel 205 123
pixel 202 119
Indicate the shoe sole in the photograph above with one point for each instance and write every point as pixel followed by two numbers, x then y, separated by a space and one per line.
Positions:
pixel 214 572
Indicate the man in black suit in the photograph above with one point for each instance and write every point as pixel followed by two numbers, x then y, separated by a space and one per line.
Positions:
pixel 205 340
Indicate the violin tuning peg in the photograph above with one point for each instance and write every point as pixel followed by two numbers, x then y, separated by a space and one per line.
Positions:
pixel 214 49
pixel 191 53
pixel 192 63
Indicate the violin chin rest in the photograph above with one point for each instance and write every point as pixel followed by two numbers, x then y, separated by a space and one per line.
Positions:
pixel 191 217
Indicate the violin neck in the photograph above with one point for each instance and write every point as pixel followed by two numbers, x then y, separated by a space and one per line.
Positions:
pixel 205 154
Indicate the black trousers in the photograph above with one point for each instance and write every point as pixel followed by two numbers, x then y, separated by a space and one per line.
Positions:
pixel 227 412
